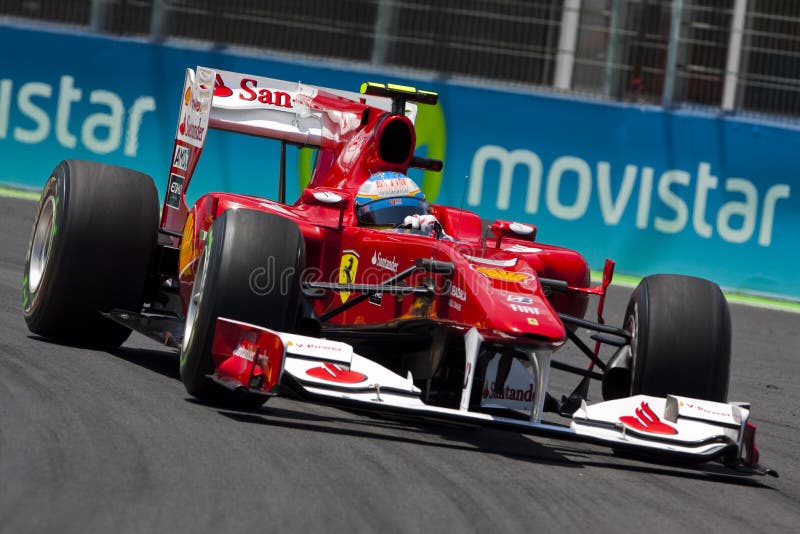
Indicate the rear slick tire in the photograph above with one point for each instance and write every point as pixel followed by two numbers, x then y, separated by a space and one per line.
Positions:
pixel 89 252
pixel 681 338
pixel 249 271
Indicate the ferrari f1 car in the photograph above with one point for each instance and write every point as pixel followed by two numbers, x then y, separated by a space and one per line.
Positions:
pixel 362 294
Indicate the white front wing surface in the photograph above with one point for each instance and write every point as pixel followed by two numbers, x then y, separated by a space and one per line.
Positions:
pixel 655 423
pixel 635 422
pixel 330 372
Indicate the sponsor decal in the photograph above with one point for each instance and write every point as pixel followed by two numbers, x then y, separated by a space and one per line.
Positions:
pixel 174 191
pixel 220 89
pixel 376 299
pixel 336 373
pixel 516 393
pixel 522 308
pixel 180 159
pixel 383 262
pixel 246 351
pixel 646 420
pixel 250 91
pixel 522 249
pixel 383 184
pixel 459 293
pixel 703 409
pixel 193 130
pixel 533 321
pixel 519 299
pixel 502 275
pixel 193 122
pixel 198 105
pixel 392 187
pixel 495 263
pixel 310 348
pixel 320 349
pixel 348 267
pixel 314 346
pixel 187 252
pixel 455 305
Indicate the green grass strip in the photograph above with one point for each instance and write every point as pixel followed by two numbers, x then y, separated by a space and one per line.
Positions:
pixel 19 193
pixel 732 296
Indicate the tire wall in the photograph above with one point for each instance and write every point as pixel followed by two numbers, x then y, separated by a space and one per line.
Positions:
pixel 657 191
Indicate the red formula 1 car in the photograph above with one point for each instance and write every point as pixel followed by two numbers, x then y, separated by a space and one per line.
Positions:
pixel 362 294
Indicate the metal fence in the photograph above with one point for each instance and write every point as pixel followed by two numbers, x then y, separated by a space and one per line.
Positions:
pixel 738 56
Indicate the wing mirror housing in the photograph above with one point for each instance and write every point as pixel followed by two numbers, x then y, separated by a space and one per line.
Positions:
pixel 327 197
pixel 501 229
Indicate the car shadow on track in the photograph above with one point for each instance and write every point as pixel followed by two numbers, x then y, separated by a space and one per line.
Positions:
pixel 163 362
pixel 454 436
pixel 508 444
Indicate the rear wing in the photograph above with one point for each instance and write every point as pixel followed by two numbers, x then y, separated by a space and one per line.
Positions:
pixel 291 112
pixel 265 107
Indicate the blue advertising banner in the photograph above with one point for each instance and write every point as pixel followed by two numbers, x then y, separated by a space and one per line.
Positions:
pixel 658 191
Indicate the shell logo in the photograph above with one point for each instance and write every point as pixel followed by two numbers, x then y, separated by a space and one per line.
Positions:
pixel 502 274
pixel 187 251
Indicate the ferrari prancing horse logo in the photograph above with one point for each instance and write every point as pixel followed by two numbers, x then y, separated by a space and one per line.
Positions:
pixel 347 271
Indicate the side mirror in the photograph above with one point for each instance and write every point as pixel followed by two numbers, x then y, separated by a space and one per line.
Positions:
pixel 516 230
pixel 326 197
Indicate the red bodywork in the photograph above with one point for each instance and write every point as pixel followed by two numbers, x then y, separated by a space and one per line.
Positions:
pixel 493 288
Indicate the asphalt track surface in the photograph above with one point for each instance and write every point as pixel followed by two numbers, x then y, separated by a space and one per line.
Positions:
pixel 94 441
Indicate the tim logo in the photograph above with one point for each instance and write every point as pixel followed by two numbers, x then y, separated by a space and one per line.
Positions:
pixel 181 158
pixel 646 420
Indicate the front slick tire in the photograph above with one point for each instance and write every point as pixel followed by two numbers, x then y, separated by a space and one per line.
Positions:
pixel 681 342
pixel 249 271
pixel 89 252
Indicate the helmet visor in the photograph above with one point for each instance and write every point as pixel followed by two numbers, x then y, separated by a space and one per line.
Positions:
pixel 390 211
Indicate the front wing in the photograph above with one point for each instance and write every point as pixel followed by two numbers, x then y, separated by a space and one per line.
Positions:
pixel 257 360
